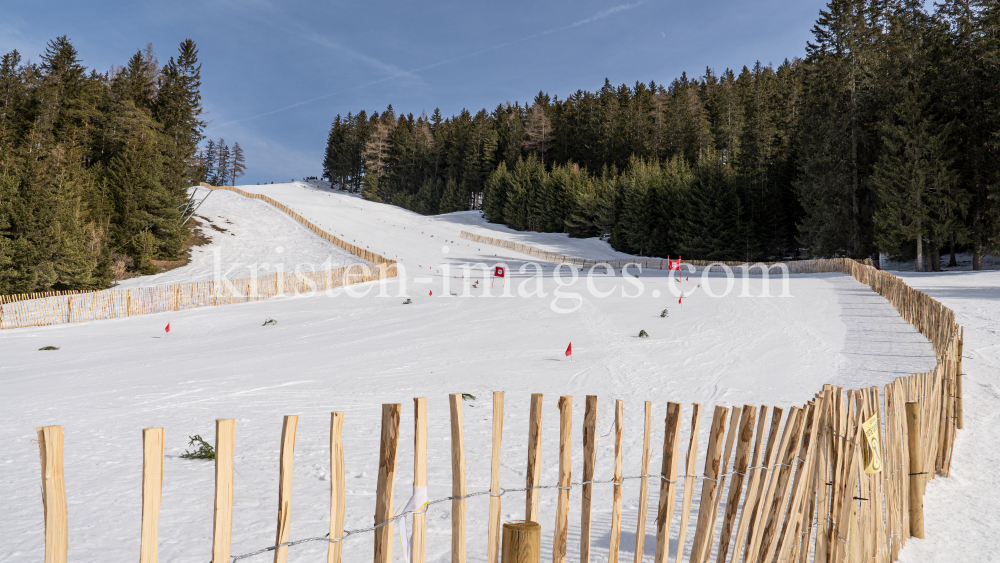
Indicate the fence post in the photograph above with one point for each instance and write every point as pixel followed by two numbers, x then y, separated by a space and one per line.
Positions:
pixel 287 455
pixel 522 542
pixel 534 457
pixel 386 482
pixel 589 458
pixel 616 501
pixel 916 470
pixel 152 489
pixel 709 487
pixel 493 536
pixel 458 489
pixel 222 529
pixel 50 450
pixel 419 545
pixel 640 528
pixel 338 486
pixel 668 481
pixel 565 465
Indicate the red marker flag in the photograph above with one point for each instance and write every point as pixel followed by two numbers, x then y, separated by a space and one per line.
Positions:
pixel 569 351
pixel 679 300
pixel 168 328
pixel 498 271
pixel 430 293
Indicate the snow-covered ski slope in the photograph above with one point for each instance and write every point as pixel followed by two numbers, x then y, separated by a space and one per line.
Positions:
pixel 245 232
pixel 110 379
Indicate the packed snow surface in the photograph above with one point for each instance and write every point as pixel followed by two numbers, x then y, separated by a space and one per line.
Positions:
pixel 110 379
pixel 248 235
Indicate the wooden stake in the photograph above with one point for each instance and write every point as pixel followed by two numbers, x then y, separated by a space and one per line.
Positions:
pixel 288 429
pixel 493 536
pixel 916 469
pixel 565 465
pixel 734 418
pixel 691 465
pixel 764 502
pixel 616 505
pixel 386 482
pixel 225 447
pixel 522 542
pixel 747 419
pixel 668 482
pixel 419 546
pixel 338 487
pixel 640 529
pixel 50 450
pixel 710 486
pixel 589 459
pixel 755 483
pixel 152 491
pixel 534 474
pixel 457 480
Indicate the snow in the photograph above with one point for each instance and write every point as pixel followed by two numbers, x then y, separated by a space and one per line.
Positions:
pixel 245 232
pixel 112 378
pixel 960 512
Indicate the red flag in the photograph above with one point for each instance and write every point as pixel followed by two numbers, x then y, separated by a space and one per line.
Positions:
pixel 687 279
pixel 569 349
pixel 430 293
pixel 168 327
pixel 498 271
pixel 679 299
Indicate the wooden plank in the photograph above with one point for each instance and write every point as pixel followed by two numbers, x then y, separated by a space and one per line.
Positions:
pixel 338 487
pixel 640 529
pixel 458 489
pixel 616 503
pixel 565 466
pixel 56 519
pixel 765 502
pixel 772 528
pixel 493 536
pixel 742 462
pixel 589 459
pixel 388 448
pixel 534 473
pixel 225 448
pixel 668 480
pixel 152 492
pixel 761 461
pixel 710 485
pixel 418 547
pixel 917 469
pixel 288 429
pixel 689 473
pixel 734 418
pixel 790 533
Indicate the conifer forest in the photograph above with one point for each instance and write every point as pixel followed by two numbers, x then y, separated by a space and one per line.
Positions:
pixel 94 167
pixel 883 138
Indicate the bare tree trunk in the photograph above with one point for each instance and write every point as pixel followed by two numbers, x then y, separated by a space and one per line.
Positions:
pixel 952 263
pixel 935 255
pixel 977 254
pixel 920 253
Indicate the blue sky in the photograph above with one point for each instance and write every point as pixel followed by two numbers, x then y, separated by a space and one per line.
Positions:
pixel 275 74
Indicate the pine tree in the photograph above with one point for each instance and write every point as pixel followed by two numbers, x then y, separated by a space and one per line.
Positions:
pixel 915 181
pixel 538 133
pixel 208 163
pixel 223 165
pixel 237 164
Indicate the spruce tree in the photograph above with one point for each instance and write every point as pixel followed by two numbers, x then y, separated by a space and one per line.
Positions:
pixel 237 164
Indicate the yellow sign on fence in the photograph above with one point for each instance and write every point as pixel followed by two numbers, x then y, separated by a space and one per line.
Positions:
pixel 872 458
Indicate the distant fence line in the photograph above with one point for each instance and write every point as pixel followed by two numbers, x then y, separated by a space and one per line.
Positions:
pixel 840 478
pixel 56 307
pixel 815 266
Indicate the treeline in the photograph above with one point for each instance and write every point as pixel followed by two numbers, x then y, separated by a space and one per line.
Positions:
pixel 882 139
pixel 93 166
pixel 220 164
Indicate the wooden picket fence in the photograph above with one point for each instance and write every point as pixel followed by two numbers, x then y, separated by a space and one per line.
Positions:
pixel 55 307
pixel 815 266
pixel 797 486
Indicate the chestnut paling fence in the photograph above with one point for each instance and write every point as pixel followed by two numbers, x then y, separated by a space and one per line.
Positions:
pixel 815 266
pixel 840 478
pixel 55 307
